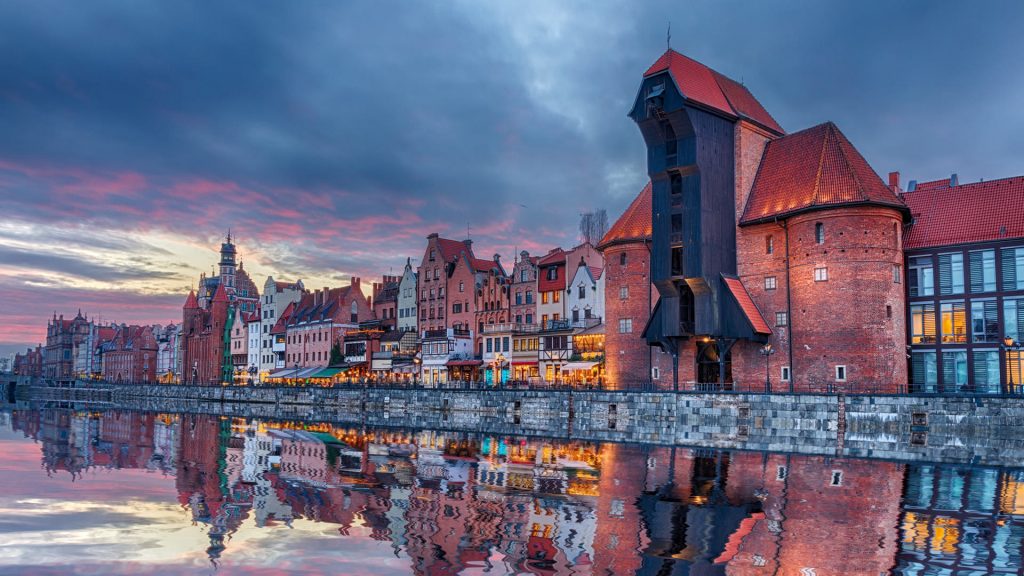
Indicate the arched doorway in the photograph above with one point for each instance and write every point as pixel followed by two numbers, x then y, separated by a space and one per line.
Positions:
pixel 714 364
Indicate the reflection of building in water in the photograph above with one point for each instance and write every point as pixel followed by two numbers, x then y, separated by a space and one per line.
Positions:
pixel 962 521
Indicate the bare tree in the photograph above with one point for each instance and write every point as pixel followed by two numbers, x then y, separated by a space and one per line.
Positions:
pixel 593 225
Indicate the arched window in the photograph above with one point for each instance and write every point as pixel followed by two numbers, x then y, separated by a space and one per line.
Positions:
pixel 819 233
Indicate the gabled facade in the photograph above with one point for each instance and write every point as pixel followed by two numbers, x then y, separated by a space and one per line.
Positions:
pixel 407 299
pixel 385 301
pixel 277 295
pixel 433 279
pixel 585 293
pixel 131 356
pixel 524 289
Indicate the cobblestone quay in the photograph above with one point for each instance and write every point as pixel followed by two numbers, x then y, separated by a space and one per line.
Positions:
pixel 977 430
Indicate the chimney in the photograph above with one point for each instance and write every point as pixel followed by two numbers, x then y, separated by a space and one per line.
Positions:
pixel 432 236
pixel 954 180
pixel 912 186
pixel 894 181
pixel 355 282
pixel 468 242
pixel 497 258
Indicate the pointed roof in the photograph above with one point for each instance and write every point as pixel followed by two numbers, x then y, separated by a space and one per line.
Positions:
pixel 746 303
pixel 700 84
pixel 191 301
pixel 635 223
pixel 221 295
pixel 813 169
pixel 450 249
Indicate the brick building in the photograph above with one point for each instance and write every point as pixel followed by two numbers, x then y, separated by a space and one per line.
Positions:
pixel 755 233
pixel 629 298
pixel 385 301
pixel 63 339
pixel 30 363
pixel 131 356
pixel 207 318
pixel 432 276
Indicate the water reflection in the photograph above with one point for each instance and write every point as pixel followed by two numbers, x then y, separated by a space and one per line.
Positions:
pixel 456 503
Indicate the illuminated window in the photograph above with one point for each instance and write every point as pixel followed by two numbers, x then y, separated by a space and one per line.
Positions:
pixel 543 297
pixel 922 323
pixel 954 322
pixel 556 296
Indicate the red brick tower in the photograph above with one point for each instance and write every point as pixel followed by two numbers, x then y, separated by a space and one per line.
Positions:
pixel 819 249
pixel 628 300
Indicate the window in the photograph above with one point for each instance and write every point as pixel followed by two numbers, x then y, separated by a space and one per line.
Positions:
pixel 504 343
pixel 655 373
pixel 489 344
pixel 556 296
pixel 781 473
pixel 841 373
pixel 954 322
pixel 623 292
pixel 544 297
pixel 986 371
pixel 552 273
pixel 781 318
pixel 625 326
pixel 435 273
pixel 544 321
pixel 1013 318
pixel 951 273
pixel 622 259
pixel 769 282
pixel 985 321
pixel 432 292
pixel 784 374
pixel 954 371
pixel 519 298
pixel 582 292
pixel 462 286
pixel 821 274
pixel 432 254
pixel 983 271
pixel 897 273
pixel 457 308
pixel 524 275
pixel 819 233
pixel 922 276
pixel 529 318
pixel 769 244
pixel 529 296
pixel 837 478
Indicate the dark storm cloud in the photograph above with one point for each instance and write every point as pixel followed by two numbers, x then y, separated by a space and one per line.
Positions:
pixel 332 137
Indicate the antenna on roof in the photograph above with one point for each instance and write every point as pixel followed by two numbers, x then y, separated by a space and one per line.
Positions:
pixel 668 36
pixel 467 231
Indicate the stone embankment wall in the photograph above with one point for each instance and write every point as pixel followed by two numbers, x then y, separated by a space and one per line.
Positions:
pixel 919 428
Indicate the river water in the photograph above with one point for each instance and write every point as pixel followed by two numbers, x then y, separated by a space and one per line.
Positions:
pixel 146 493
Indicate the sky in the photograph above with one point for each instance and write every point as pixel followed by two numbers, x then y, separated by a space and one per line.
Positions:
pixel 332 137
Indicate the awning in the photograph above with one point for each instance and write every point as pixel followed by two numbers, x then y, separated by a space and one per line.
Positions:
pixel 292 373
pixel 746 305
pixel 574 366
pixel 458 363
pixel 329 372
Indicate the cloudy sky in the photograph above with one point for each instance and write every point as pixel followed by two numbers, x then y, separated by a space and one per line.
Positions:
pixel 332 137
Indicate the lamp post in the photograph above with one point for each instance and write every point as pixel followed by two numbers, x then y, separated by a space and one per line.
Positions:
pixel 296 375
pixel 499 361
pixel 1008 345
pixel 416 371
pixel 767 352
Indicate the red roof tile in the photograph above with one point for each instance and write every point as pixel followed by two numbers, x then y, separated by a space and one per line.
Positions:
pixel 933 184
pixel 635 223
pixel 450 249
pixel 701 84
pixel 739 292
pixel 975 212
pixel 221 295
pixel 191 301
pixel 553 257
pixel 481 265
pixel 813 169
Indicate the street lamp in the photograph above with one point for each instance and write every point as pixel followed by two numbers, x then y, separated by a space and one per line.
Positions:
pixel 1008 345
pixel 416 371
pixel 296 375
pixel 499 361
pixel 767 352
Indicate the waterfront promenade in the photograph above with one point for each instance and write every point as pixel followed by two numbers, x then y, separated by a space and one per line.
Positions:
pixel 976 430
